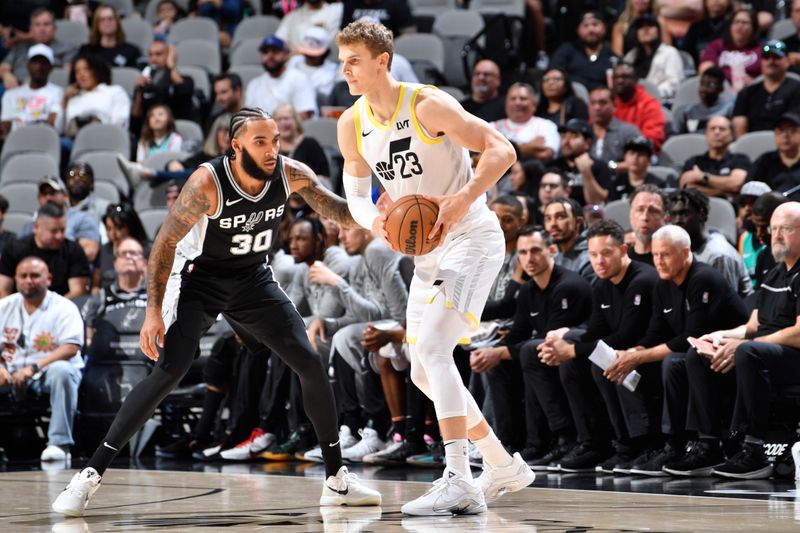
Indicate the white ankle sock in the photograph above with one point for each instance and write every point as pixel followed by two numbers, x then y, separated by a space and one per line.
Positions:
pixel 492 450
pixel 455 453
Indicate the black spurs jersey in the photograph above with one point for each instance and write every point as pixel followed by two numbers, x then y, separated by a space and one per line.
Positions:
pixel 244 227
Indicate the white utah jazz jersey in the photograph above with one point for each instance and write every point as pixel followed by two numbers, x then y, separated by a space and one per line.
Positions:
pixel 406 158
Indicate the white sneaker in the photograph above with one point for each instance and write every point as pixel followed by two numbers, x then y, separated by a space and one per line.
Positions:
pixel 73 500
pixel 345 489
pixel 55 453
pixel 71 525
pixel 350 520
pixel 258 442
pixel 475 456
pixel 134 172
pixel 378 457
pixel 369 443
pixel 496 481
pixel 346 440
pixel 451 494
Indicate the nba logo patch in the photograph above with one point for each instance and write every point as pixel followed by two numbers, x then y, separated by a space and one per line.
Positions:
pixel 637 299
pixel 564 303
pixel 190 268
pixel 705 297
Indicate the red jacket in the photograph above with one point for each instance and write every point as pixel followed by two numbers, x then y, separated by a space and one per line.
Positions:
pixel 643 111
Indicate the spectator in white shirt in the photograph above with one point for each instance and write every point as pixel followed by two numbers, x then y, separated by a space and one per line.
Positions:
pixel 532 136
pixel 90 96
pixel 313 60
pixel 312 13
pixel 42 338
pixel 38 101
pixel 279 84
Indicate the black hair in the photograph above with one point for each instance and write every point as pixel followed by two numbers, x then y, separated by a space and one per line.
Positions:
pixel 50 210
pixel 124 215
pixel 716 73
pixel 565 181
pixel 318 231
pixel 511 201
pixel 577 211
pixel 100 69
pixel 568 91
pixel 652 189
pixel 727 38
pixel 3 204
pixel 767 203
pixel 240 119
pixel 530 229
pixel 236 81
pixel 693 198
pixel 606 228
pixel 82 167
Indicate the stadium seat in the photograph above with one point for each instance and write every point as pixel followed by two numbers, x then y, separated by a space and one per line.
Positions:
pixel 148 196
pixel 247 73
pixel 619 212
pixel 36 138
pixel 678 148
pixel 199 53
pixel 126 77
pixel 71 32
pixel 686 94
pixel 754 143
pixel 580 91
pixel 256 27
pixel 424 51
pixel 60 77
pixel 722 217
pixel 199 77
pixel 15 220
pixel 246 53
pixel 101 138
pixel 689 68
pixel 430 8
pixel 455 92
pixel 510 8
pixel 22 197
pixel 200 28
pixel 107 191
pixel 29 167
pixel 138 32
pixel 651 88
pixel 124 7
pixel 782 29
pixel 160 160
pixel 455 28
pixel 107 169
pixel 152 219
pixel 151 11
pixel 189 130
pixel 668 174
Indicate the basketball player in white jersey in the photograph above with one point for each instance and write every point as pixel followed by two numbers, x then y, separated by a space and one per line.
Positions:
pixel 417 140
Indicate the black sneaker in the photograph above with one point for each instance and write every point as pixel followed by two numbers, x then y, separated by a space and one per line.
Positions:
pixel 396 453
pixel 651 463
pixel 531 453
pixel 301 439
pixel 176 449
pixel 550 460
pixel 583 458
pixel 703 457
pixel 750 463
pixel 619 463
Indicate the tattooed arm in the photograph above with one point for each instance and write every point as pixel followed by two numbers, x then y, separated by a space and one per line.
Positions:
pixel 303 181
pixel 197 198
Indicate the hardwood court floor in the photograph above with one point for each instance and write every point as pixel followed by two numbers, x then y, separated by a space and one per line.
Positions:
pixel 139 500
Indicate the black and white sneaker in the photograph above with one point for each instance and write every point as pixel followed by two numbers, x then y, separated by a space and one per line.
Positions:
pixel 619 463
pixel 750 463
pixel 703 457
pixel 583 458
pixel 651 463
pixel 551 459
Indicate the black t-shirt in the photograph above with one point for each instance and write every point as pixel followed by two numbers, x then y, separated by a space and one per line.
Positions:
pixel 793 45
pixel 494 109
pixel 718 167
pixel 764 263
pixel 573 59
pixel 122 55
pixel 777 302
pixel 600 171
pixel 620 313
pixel 763 109
pixel 770 169
pixel 642 258
pixel 311 153
pixel 394 14
pixel 701 33
pixel 620 186
pixel 565 302
pixel 69 261
pixel 573 107
pixel 703 303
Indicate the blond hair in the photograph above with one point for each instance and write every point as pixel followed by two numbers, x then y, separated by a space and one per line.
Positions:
pixel 374 35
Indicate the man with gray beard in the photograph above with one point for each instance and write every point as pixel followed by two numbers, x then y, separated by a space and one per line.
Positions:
pixel 647 213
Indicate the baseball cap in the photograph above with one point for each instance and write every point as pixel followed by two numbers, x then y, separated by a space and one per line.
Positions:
pixel 272 41
pixel 54 182
pixel 775 48
pixel 754 188
pixel 316 41
pixel 577 125
pixel 41 50
pixel 794 118
pixel 640 143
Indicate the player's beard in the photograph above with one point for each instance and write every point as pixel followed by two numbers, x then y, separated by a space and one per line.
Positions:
pixel 252 168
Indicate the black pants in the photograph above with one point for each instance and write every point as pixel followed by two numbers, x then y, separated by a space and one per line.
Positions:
pixel 543 387
pixel 676 396
pixel 507 391
pixel 359 395
pixel 633 414
pixel 711 396
pixel 252 302
pixel 760 366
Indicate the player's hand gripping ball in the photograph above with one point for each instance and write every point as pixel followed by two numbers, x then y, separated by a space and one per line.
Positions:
pixel 409 220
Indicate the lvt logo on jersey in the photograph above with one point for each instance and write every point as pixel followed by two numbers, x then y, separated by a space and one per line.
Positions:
pixel 401 125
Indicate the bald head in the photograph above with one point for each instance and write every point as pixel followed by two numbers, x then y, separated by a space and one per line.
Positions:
pixel 32 278
pixel 485 80
pixel 785 231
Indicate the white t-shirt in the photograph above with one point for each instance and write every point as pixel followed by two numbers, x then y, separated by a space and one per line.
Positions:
pixel 322 77
pixel 23 105
pixel 28 338
pixel 109 103
pixel 294 25
pixel 525 132
pixel 292 87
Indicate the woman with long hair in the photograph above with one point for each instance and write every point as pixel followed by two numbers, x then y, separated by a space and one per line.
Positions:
pixel 107 39
pixel 90 97
pixel 737 53
pixel 623 34
pixel 296 145
pixel 158 134
pixel 658 63
pixel 717 15
pixel 120 221
pixel 558 102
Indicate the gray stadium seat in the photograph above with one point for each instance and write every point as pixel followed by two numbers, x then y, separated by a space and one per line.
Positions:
pixel 668 174
pixel 580 91
pixel 689 68
pixel 36 138
pixel 106 169
pixel 455 92
pixel 199 53
pixel 514 8
pixel 782 29
pixel 200 78
pixel 686 94
pixel 189 130
pixel 321 129
pixel 22 197
pixel 101 138
pixel 60 77
pixel 16 220
pixel 619 211
pixel 107 191
pixel 152 219
pixel 247 73
pixel 754 143
pixel 423 50
pixel 246 53
pixel 456 28
pixel 430 8
pixel 159 161
pixel 125 77
pixel 124 7
pixel 256 27
pixel 678 148
pixel 138 32
pixel 72 32
pixel 28 167
pixel 722 217
pixel 651 88
pixel 200 28
pixel 147 196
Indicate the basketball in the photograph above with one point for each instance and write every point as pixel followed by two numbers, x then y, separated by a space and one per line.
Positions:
pixel 409 220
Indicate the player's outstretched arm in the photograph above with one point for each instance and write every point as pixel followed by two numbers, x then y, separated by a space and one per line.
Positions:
pixel 303 181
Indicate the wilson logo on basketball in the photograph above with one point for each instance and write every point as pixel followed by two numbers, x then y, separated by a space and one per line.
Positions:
pixel 411 240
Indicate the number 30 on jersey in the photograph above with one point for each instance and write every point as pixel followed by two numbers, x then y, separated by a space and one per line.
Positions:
pixel 246 243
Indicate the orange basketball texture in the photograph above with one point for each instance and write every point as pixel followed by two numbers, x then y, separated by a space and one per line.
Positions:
pixel 409 221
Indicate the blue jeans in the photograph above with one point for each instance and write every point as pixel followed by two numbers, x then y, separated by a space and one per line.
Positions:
pixel 60 380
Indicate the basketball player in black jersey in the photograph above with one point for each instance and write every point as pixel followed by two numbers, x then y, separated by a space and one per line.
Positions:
pixel 209 258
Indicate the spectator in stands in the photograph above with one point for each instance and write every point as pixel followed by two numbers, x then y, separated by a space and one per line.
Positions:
pixel 226 13
pixel 689 300
pixel 65 258
pixel 107 39
pixel 760 105
pixel 162 83
pixel 610 133
pixel 159 134
pixel 280 85
pixel 14 70
pixel 312 13
pixel 780 169
pixel 621 309
pixel 509 213
pixel 312 60
pixel 763 208
pixel 576 161
pixel 523 178
pixel 485 100
pixel 168 13
pixel 563 220
pixel 653 60
pixel 623 33
pixel 531 136
pixel 737 53
pixel 172 191
pixel 43 336
pixel 688 209
pixel 793 42
pixel 554 185
pixel 90 96
pixel 394 14
pixel 5 235
pixel 718 172
pixel 296 145
pixel 647 212
pixel 121 222
pixel 79 180
pixel 36 102
pixel 749 243
pixel 717 15
pixel 227 96
pixel 638 152
pixel 634 105
pixel 694 117
pixel 558 102
pixel 587 60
